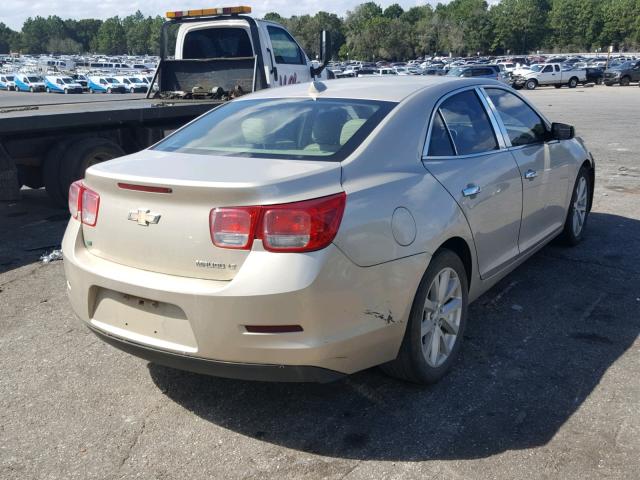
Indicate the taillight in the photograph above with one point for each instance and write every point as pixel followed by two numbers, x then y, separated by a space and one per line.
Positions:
pixel 291 227
pixel 233 227
pixel 83 203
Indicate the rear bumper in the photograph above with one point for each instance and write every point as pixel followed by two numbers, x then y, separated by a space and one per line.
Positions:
pixel 241 371
pixel 352 317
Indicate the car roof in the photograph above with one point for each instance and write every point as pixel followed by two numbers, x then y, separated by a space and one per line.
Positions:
pixel 381 88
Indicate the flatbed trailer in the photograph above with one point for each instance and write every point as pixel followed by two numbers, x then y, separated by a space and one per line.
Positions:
pixel 50 145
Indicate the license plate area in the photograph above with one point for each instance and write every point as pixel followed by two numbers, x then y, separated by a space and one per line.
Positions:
pixel 143 320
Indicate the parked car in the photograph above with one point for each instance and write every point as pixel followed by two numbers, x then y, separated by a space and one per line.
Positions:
pixel 386 71
pixel 549 74
pixel 82 80
pixel 61 84
pixel 105 85
pixel 7 82
pixel 623 74
pixel 133 84
pixel 28 83
pixel 433 71
pixel 595 75
pixel 295 234
pixel 482 71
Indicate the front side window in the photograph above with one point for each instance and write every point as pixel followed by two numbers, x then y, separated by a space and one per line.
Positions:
pixel 547 69
pixel 524 126
pixel 468 123
pixel 284 128
pixel 285 49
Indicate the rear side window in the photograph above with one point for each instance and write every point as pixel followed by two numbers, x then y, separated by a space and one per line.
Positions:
pixel 283 128
pixel 468 123
pixel 285 49
pixel 217 42
pixel 524 126
pixel 440 142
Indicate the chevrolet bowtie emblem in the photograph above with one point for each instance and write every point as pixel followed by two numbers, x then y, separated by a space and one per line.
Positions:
pixel 144 217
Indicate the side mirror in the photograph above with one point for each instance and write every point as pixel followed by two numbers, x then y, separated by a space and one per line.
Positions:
pixel 325 53
pixel 562 131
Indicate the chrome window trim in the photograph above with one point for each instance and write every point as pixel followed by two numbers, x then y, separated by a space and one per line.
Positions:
pixel 496 132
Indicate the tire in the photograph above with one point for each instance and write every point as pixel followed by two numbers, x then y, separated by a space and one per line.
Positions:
pixel 415 359
pixel 625 81
pixel 84 153
pixel 109 90
pixel 48 90
pixel 573 82
pixel 66 91
pixel 51 174
pixel 131 90
pixel 32 90
pixel 91 90
pixel 574 230
pixel 557 85
pixel 531 84
pixel 599 81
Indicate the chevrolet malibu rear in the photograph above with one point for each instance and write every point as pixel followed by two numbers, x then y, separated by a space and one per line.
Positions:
pixel 308 232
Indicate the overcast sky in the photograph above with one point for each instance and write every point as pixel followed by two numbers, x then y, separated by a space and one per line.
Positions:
pixel 15 12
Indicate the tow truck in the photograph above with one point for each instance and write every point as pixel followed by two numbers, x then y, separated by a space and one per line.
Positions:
pixel 220 53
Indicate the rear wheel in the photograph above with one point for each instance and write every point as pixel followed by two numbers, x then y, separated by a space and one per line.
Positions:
pixel 625 81
pixel 83 154
pixel 577 216
pixel 557 85
pixel 573 82
pixel 531 84
pixel 438 316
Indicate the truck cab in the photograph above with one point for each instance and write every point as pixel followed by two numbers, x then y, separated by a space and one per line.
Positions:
pixel 549 74
pixel 224 52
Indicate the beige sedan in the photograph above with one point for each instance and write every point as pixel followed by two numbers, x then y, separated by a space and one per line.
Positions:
pixel 316 230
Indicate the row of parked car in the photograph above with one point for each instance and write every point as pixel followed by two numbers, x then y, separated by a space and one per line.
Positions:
pixel 77 83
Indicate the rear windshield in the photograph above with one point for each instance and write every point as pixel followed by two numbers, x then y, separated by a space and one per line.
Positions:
pixel 218 42
pixel 287 128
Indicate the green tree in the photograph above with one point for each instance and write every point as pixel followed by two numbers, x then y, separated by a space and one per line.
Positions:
pixel 7 38
pixel 520 26
pixel 111 38
pixel 138 33
pixel 393 11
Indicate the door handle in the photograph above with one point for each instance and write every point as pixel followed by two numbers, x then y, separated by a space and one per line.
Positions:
pixel 530 174
pixel 470 190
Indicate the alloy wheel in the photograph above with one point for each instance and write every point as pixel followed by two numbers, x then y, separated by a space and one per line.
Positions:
pixel 580 206
pixel 441 317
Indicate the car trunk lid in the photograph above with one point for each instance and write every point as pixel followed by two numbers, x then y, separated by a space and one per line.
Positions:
pixel 154 206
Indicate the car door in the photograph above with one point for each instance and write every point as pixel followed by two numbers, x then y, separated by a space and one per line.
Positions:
pixel 290 60
pixel 466 154
pixel 544 166
pixel 635 72
pixel 547 75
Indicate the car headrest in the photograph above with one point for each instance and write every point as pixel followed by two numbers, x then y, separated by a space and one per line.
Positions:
pixel 350 128
pixel 327 127
pixel 253 130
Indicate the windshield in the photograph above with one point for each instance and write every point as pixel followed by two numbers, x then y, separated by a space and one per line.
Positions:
pixel 536 68
pixel 10 78
pixel 34 79
pixel 111 80
pixel 135 80
pixel 622 66
pixel 285 128
pixel 67 80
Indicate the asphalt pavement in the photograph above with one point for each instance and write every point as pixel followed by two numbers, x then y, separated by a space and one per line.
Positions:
pixel 546 386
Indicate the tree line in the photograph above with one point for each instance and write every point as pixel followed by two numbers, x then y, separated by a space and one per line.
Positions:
pixel 460 27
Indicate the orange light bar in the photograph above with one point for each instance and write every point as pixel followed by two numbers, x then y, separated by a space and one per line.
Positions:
pixel 208 12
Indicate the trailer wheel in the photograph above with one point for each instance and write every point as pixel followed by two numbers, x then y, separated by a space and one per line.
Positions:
pixel 51 174
pixel 84 153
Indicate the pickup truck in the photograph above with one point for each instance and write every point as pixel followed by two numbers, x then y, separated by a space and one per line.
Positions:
pixel 548 74
pixel 220 53
pixel 623 74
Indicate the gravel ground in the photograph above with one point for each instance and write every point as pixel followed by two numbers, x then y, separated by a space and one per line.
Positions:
pixel 546 386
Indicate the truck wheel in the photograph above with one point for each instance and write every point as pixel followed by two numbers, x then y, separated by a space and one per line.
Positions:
pixel 573 82
pixel 531 84
pixel 51 174
pixel 84 153
pixel 625 81
pixel 557 85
